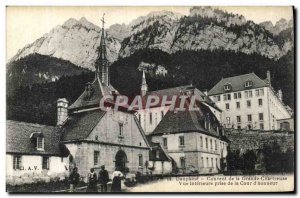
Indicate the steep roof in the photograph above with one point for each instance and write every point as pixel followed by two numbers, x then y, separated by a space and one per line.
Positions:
pixel 163 156
pixel 80 125
pixel 20 139
pixel 86 100
pixel 237 83
pixel 185 121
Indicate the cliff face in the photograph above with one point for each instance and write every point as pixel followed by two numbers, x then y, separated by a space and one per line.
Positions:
pixel 204 28
pixel 75 41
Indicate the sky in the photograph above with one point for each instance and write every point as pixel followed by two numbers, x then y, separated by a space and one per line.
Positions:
pixel 26 24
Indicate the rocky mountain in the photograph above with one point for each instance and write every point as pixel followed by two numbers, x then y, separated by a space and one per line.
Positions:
pixel 75 41
pixel 280 25
pixel 205 28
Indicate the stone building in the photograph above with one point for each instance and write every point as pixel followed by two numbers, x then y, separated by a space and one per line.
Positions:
pixel 193 140
pixel 249 102
pixel 34 153
pixel 96 137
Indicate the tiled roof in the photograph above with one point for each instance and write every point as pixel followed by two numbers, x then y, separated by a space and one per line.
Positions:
pixel 80 125
pixel 185 121
pixel 237 83
pixel 18 139
pixel 95 97
pixel 163 156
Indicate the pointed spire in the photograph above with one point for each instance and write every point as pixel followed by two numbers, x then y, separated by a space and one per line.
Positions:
pixel 102 67
pixel 144 87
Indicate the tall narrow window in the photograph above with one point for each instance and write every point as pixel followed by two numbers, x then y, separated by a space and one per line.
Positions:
pixel 202 162
pixel 211 144
pixel 238 105
pixel 165 142
pixel 235 95
pixel 150 118
pixel 17 162
pixel 260 102
pixel 201 141
pixel 45 164
pixel 238 119
pixel 216 145
pixel 212 162
pixel 249 118
pixel 121 129
pixel 239 95
pixel 96 157
pixel 228 120
pixel 206 143
pixel 227 106
pixel 248 103
pixel 181 140
pixel 140 160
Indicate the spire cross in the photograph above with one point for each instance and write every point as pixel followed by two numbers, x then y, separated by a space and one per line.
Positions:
pixel 103 20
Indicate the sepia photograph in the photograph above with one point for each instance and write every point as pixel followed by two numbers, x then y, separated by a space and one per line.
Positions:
pixel 150 99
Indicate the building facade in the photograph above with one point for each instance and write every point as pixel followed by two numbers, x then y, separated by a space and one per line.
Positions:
pixel 248 102
pixel 34 153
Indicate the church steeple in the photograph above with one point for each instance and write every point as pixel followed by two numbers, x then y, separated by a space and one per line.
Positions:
pixel 144 87
pixel 102 66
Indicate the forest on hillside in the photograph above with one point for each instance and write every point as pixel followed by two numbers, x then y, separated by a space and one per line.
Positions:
pixel 37 103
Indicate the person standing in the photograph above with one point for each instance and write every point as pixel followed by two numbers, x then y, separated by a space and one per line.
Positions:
pixel 103 179
pixel 74 179
pixel 116 181
pixel 92 181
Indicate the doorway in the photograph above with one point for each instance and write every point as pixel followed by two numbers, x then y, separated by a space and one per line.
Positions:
pixel 121 160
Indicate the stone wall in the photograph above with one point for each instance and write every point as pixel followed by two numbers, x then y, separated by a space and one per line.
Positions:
pixel 254 139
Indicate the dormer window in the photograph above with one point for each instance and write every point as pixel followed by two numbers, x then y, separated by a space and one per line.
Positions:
pixel 227 87
pixel 38 141
pixel 248 83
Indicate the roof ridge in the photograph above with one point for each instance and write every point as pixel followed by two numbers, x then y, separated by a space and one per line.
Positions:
pixel 29 123
pixel 169 88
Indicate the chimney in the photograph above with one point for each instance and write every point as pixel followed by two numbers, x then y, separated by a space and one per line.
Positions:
pixel 280 94
pixel 62 111
pixel 268 77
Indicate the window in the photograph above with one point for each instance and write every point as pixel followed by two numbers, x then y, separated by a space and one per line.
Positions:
pixel 249 118
pixel 257 92
pixel 181 140
pixel 248 83
pixel 17 162
pixel 207 162
pixel 260 102
pixel 227 87
pixel 202 162
pixel 235 95
pixel 141 160
pixel 45 164
pixel 201 141
pixel 206 143
pixel 261 126
pixel 239 95
pixel 248 94
pixel 238 119
pixel 212 162
pixel 238 105
pixel 228 120
pixel 261 116
pixel 216 162
pixel 96 157
pixel 182 162
pixel 150 118
pixel 40 143
pixel 227 106
pixel 165 142
pixel 211 144
pixel 218 98
pixel 120 129
pixel 228 96
pixel 216 145
pixel 224 97
pixel 248 103
pixel 261 92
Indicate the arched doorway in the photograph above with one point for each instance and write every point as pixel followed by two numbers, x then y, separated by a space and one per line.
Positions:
pixel 121 160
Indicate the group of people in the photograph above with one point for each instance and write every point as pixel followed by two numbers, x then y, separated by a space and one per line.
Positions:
pixel 93 180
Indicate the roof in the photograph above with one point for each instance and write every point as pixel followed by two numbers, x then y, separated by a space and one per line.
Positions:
pixel 80 125
pixel 237 83
pixel 177 91
pixel 20 137
pixel 163 156
pixel 185 121
pixel 95 96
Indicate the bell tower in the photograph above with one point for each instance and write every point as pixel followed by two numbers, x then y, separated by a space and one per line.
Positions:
pixel 102 65
pixel 144 87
